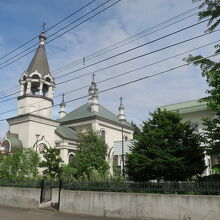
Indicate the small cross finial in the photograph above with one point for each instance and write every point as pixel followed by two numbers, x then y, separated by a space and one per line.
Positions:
pixel 93 77
pixel 43 27
pixel 63 97
pixel 121 100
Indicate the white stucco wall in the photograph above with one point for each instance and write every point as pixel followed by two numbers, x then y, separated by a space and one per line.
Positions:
pixel 141 205
pixel 28 127
pixel 33 104
pixel 196 117
pixel 113 132
pixel 20 197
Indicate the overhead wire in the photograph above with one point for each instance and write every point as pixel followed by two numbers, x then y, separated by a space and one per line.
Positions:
pixel 137 57
pixel 127 83
pixel 124 41
pixel 117 44
pixel 122 74
pixel 129 50
pixel 53 26
pixel 7 61
pixel 91 56
pixel 128 60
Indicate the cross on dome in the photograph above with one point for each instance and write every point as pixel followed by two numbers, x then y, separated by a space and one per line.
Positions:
pixel 43 26
pixel 63 95
pixel 93 77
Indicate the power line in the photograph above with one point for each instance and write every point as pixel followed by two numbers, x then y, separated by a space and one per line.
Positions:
pixel 7 64
pixel 96 54
pixel 134 48
pixel 124 61
pixel 125 73
pixel 122 74
pixel 129 82
pixel 53 26
pixel 124 41
pixel 137 57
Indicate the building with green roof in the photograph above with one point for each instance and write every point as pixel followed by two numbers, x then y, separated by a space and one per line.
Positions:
pixel 194 111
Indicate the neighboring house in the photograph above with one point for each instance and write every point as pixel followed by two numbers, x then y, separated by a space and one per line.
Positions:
pixel 33 126
pixel 194 111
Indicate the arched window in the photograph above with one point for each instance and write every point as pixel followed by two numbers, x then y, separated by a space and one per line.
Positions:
pixel 41 148
pixel 45 89
pixel 6 146
pixel 35 76
pixel 25 88
pixel 125 137
pixel 103 134
pixel 71 158
pixel 47 79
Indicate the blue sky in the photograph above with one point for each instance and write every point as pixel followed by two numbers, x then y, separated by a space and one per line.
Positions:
pixel 21 20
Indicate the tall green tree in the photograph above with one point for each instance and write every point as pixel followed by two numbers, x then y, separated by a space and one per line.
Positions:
pixel 91 156
pixel 52 163
pixel 136 130
pixel 21 164
pixel 167 149
pixel 211 71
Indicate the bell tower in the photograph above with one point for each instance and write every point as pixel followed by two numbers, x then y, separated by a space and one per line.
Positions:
pixel 37 85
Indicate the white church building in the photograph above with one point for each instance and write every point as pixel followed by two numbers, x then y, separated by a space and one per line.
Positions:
pixel 33 126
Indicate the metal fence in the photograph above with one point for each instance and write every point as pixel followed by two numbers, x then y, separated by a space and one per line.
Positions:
pixel 211 188
pixel 21 183
pixel 147 187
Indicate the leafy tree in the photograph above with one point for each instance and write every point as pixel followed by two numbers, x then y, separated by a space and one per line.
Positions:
pixel 211 11
pixel 211 71
pixel 19 165
pixel 68 173
pixel 167 149
pixel 136 130
pixel 52 163
pixel 91 156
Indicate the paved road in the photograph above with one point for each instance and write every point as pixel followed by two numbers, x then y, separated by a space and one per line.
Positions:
pixel 7 213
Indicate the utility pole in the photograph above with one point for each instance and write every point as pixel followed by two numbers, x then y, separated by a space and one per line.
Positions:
pixel 122 149
pixel 122 119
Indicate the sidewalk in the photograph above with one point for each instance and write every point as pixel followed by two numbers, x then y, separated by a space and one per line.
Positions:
pixel 9 213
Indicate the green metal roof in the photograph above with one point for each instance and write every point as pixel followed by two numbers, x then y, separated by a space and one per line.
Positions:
pixel 14 140
pixel 186 107
pixel 66 133
pixel 84 112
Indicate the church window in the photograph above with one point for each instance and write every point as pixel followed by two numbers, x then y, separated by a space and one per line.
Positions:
pixel 115 160
pixel 45 89
pixel 103 134
pixel 48 79
pixel 42 148
pixel 25 88
pixel 35 76
pixel 35 88
pixel 125 137
pixel 6 146
pixel 71 159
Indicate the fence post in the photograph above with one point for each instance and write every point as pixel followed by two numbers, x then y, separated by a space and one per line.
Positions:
pixel 60 187
pixel 42 189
